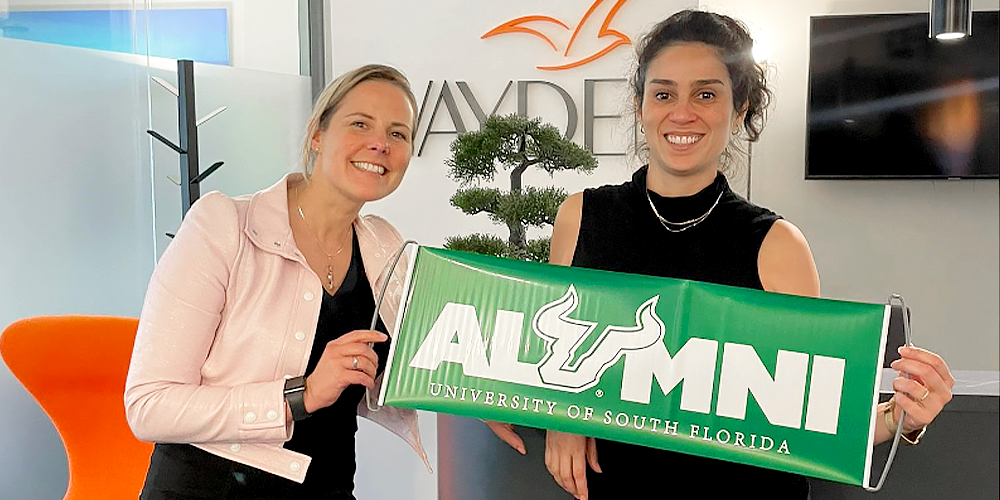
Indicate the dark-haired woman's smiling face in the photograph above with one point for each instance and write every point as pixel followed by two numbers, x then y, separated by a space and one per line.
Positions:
pixel 687 109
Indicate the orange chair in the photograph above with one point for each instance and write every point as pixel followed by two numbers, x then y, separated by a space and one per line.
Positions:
pixel 75 368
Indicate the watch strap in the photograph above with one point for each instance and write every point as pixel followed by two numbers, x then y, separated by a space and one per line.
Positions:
pixel 295 390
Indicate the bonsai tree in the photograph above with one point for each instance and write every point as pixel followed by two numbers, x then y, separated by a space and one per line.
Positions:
pixel 512 143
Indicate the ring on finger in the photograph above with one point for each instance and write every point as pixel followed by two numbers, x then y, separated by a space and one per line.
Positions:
pixel 927 392
pixel 354 363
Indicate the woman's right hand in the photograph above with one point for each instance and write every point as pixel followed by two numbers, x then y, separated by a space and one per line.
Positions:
pixel 335 370
pixel 566 457
pixel 507 434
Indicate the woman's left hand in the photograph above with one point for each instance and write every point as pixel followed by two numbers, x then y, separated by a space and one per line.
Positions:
pixel 924 394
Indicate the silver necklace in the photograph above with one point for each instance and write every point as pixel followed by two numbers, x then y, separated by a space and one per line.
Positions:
pixel 676 227
pixel 329 257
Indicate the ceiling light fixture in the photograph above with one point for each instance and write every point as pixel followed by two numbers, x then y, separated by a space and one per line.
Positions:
pixel 950 19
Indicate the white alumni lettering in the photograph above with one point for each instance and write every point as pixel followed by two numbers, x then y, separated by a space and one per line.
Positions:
pixel 456 337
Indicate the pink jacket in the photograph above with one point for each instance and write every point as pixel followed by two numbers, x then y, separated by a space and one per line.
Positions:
pixel 230 313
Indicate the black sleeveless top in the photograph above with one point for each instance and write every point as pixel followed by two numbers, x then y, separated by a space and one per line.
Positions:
pixel 620 232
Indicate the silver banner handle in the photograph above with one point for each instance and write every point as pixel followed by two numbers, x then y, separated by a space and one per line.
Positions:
pixel 902 413
pixel 384 278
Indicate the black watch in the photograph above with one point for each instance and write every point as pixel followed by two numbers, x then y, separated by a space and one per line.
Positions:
pixel 295 389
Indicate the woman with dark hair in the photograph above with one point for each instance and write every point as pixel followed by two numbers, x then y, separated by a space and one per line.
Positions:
pixel 697 90
pixel 254 351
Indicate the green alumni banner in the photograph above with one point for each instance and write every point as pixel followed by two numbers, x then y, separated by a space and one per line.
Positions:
pixel 759 378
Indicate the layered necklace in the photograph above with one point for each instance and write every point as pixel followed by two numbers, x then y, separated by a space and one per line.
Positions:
pixel 676 227
pixel 328 283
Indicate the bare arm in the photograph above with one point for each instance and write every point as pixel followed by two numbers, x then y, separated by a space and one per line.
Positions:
pixel 566 454
pixel 785 265
pixel 566 230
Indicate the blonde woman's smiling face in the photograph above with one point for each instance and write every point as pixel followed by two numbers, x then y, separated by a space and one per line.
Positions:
pixel 367 144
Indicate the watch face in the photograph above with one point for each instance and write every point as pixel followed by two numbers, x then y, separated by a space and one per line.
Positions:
pixel 297 384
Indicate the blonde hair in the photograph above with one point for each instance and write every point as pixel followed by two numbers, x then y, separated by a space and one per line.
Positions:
pixel 334 93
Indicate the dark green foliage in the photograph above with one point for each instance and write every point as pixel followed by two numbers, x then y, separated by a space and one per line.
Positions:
pixel 487 244
pixel 511 143
pixel 532 206
pixel 538 249
pixel 476 199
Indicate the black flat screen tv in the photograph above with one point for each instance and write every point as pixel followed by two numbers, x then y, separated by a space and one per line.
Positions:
pixel 886 101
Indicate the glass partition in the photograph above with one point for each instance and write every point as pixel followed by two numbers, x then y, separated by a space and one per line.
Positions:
pixel 84 191
pixel 75 196
pixel 256 135
pixel 252 110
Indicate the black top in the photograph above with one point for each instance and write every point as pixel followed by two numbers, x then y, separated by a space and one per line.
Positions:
pixel 328 435
pixel 620 232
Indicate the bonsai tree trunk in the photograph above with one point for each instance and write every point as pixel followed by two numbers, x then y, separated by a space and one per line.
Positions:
pixel 518 237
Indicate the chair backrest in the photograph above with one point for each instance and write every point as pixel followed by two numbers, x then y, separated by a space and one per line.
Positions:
pixel 75 367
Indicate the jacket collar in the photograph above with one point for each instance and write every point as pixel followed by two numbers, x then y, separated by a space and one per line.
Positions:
pixel 267 224
pixel 267 219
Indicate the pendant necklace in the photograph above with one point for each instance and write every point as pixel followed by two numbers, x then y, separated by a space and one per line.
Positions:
pixel 329 257
pixel 676 227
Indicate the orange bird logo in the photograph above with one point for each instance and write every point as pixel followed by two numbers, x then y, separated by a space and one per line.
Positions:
pixel 557 28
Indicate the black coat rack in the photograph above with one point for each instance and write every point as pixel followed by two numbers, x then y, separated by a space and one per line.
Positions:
pixel 187 126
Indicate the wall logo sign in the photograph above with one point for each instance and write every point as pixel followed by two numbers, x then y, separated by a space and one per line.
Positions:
pixel 549 28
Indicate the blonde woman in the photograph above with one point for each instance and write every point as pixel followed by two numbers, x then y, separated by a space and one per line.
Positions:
pixel 253 350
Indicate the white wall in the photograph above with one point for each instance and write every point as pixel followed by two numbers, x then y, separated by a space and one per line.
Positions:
pixel 265 34
pixel 936 242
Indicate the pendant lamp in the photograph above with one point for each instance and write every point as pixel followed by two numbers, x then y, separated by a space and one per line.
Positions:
pixel 950 19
